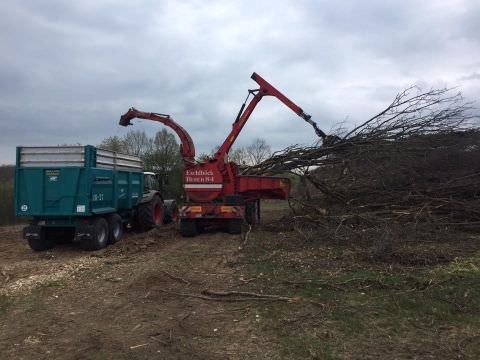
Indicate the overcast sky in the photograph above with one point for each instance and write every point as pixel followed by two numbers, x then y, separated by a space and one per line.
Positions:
pixel 69 69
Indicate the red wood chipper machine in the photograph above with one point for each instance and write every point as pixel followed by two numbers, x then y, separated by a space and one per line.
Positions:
pixel 216 194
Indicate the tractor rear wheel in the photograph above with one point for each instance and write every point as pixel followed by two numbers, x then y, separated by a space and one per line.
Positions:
pixel 150 214
pixel 99 238
pixel 188 228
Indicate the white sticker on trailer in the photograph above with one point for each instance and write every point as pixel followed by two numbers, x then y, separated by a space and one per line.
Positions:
pixel 80 208
pixel 203 186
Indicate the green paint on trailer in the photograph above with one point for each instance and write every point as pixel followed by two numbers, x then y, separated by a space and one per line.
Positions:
pixel 80 188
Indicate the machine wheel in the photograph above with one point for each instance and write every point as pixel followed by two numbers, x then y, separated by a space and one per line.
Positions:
pixel 251 213
pixel 41 244
pixel 188 228
pixel 235 226
pixel 115 228
pixel 171 212
pixel 150 214
pixel 100 236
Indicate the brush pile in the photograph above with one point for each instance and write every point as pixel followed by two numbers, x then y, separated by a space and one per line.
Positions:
pixel 415 163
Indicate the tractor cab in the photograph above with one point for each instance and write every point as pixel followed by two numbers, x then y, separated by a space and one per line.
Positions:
pixel 153 181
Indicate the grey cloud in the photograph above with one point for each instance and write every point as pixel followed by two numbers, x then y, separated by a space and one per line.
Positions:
pixel 68 70
pixel 474 76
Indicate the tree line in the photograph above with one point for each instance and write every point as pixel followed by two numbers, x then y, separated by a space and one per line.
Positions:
pixel 160 153
pixel 253 154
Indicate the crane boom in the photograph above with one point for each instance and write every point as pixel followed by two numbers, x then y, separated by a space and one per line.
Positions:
pixel 187 148
pixel 266 89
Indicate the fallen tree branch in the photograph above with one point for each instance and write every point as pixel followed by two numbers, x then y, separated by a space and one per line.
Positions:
pixel 235 296
pixel 177 278
pixel 215 298
pixel 247 294
pixel 245 237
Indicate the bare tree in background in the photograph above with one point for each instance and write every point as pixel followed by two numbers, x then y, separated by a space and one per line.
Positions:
pixel 113 143
pixel 239 156
pixel 202 157
pixel 164 154
pixel 138 143
pixel 258 151
pixel 160 154
pixel 251 155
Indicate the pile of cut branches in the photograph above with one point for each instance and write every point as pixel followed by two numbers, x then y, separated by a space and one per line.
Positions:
pixel 416 162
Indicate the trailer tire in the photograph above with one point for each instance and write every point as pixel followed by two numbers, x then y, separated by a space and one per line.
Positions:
pixel 115 228
pixel 150 214
pixel 235 226
pixel 188 228
pixel 99 238
pixel 41 244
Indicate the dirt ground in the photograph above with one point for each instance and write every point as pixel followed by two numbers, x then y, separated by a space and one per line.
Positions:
pixel 119 303
pixel 143 298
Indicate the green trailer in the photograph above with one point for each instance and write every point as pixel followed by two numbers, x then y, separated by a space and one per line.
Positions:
pixel 85 194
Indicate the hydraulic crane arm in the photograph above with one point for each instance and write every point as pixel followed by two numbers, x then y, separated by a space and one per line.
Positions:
pixel 266 89
pixel 187 149
pixel 272 91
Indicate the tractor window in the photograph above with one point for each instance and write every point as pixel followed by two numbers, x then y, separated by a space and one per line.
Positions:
pixel 150 182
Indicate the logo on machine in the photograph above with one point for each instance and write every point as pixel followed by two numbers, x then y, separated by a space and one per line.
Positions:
pixel 24 207
pixel 199 176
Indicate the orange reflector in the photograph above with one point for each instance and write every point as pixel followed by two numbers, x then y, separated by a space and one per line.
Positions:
pixel 226 209
pixel 195 209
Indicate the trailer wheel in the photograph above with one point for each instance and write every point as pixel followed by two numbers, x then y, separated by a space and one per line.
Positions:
pixel 115 228
pixel 41 244
pixel 235 226
pixel 99 238
pixel 150 214
pixel 188 228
